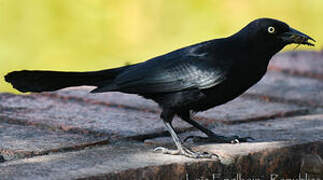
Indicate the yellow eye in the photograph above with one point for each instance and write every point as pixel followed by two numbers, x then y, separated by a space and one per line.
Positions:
pixel 271 29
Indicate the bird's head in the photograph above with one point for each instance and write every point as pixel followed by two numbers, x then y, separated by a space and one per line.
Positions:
pixel 273 35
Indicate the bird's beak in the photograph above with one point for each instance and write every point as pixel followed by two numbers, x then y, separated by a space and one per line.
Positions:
pixel 294 36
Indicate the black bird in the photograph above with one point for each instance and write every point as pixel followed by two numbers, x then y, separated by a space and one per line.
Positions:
pixel 191 79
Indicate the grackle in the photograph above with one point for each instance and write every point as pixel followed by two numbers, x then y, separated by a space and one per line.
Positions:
pixel 191 79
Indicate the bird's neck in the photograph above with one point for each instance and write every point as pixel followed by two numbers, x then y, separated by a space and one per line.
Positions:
pixel 257 47
pixel 254 48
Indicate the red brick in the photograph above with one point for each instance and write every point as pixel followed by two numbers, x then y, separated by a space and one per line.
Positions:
pixel 240 109
pixel 277 153
pixel 109 98
pixel 306 63
pixel 296 89
pixel 18 141
pixel 305 129
pixel 246 110
pixel 79 116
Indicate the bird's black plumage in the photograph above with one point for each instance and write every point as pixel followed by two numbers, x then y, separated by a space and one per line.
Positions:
pixel 193 78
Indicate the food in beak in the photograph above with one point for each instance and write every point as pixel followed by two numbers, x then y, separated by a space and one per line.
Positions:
pixel 294 36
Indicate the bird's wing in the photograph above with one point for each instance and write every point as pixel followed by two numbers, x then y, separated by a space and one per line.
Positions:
pixel 172 72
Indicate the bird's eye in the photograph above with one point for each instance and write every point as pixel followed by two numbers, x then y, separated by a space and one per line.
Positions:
pixel 271 29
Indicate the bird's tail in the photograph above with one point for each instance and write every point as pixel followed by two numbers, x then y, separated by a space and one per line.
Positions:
pixel 39 81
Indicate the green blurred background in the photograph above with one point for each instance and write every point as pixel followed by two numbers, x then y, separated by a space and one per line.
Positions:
pixel 85 35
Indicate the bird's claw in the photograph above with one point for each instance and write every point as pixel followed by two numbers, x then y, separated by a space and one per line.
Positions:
pixel 245 139
pixel 219 139
pixel 186 152
pixel 237 139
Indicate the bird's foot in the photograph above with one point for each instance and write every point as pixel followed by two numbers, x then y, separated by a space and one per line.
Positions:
pixel 219 139
pixel 184 151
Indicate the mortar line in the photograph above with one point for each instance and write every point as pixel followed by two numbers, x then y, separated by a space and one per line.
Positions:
pixel 269 98
pixel 296 73
pixel 139 138
pixel 96 102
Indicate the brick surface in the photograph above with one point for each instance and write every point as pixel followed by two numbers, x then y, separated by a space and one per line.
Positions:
pixel 300 128
pixel 79 116
pixel 307 63
pixel 239 110
pixel 245 110
pixel 110 98
pixel 120 121
pixel 286 87
pixel 17 141
pixel 137 161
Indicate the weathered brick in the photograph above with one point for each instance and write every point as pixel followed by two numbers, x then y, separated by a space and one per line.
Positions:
pixel 18 141
pixel 238 110
pixel 246 109
pixel 79 116
pixel 305 128
pixel 278 152
pixel 306 63
pixel 109 98
pixel 285 87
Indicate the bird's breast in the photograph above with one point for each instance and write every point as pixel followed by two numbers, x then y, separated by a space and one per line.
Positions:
pixel 245 75
pixel 238 80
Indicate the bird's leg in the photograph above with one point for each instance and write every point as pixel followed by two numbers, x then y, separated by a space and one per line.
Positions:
pixel 212 137
pixel 181 149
